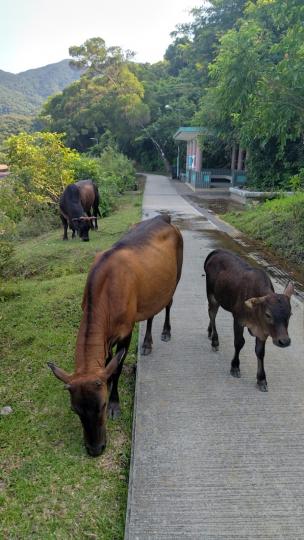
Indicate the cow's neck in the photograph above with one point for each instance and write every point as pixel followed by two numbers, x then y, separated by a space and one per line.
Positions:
pixel 92 347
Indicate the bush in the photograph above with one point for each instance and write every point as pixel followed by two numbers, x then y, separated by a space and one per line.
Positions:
pixel 6 253
pixel 278 223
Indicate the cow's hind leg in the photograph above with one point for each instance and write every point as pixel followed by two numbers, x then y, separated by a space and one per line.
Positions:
pixel 113 405
pixel 213 306
pixel 147 343
pixel 166 333
pixel 261 375
pixel 239 343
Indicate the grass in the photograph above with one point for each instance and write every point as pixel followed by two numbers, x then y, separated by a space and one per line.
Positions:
pixel 278 223
pixel 49 487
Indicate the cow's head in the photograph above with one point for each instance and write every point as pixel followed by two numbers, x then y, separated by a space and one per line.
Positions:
pixel 270 316
pixel 89 399
pixel 82 226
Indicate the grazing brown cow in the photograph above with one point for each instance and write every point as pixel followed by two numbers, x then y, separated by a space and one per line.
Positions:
pixel 132 281
pixel 89 196
pixel 248 294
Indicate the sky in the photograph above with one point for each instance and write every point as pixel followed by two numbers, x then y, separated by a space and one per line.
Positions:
pixel 35 33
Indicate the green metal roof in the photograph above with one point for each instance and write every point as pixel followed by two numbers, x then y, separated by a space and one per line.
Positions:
pixel 188 133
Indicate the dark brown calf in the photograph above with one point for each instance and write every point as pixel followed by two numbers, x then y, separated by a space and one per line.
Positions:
pixel 132 281
pixel 248 294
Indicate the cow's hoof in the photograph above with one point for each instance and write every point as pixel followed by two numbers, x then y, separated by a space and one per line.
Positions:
pixel 215 345
pixel 166 336
pixel 262 385
pixel 146 350
pixel 65 238
pixel 113 410
pixel 235 372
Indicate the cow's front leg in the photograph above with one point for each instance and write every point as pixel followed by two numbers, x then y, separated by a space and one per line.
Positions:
pixel 166 333
pixel 147 343
pixel 65 227
pixel 239 343
pixel 113 405
pixel 261 375
pixel 212 332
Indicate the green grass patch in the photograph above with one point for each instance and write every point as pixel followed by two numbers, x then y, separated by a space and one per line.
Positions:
pixel 49 487
pixel 278 223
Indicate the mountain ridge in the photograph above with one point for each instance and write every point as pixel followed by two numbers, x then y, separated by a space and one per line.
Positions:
pixel 24 92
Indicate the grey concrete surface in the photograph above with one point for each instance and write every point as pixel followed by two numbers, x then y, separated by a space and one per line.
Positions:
pixel 213 457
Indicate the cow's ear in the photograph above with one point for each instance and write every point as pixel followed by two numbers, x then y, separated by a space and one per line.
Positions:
pixel 59 373
pixel 289 291
pixel 114 363
pixel 252 302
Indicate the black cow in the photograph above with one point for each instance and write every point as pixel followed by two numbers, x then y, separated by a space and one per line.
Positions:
pixel 73 215
pixel 249 295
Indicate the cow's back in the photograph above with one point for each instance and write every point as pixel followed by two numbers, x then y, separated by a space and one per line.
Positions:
pixel 87 193
pixel 142 269
pixel 232 280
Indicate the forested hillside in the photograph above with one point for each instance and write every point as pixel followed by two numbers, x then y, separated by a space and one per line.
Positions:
pixel 25 92
pixel 22 95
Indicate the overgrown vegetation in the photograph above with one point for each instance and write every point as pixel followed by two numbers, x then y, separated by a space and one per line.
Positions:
pixel 278 223
pixel 49 487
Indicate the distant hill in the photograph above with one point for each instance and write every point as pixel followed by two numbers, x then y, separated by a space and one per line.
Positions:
pixel 24 93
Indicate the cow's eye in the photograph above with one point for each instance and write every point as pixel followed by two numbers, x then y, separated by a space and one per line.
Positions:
pixel 268 315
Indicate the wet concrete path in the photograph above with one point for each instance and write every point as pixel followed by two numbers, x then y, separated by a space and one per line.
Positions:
pixel 213 457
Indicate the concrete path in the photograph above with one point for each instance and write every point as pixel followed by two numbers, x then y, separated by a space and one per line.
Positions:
pixel 213 457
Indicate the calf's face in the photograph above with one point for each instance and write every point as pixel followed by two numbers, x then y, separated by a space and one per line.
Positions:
pixel 272 313
pixel 89 398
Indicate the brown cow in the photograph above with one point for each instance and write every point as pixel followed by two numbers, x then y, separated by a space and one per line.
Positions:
pixel 248 294
pixel 132 281
pixel 89 196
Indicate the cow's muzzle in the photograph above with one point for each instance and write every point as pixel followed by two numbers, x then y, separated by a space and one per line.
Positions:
pixel 95 451
pixel 282 342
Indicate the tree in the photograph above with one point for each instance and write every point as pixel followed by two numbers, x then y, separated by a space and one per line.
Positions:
pixel 258 75
pixel 41 166
pixel 108 97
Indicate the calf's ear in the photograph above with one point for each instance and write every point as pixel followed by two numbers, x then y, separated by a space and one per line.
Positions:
pixel 59 373
pixel 289 291
pixel 114 363
pixel 251 302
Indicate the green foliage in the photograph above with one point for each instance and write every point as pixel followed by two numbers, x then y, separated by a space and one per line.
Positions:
pixel 277 223
pixel 6 253
pixel 256 95
pixel 11 124
pixel 41 167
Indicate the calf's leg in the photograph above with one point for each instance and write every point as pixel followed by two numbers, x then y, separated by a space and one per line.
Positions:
pixel 213 306
pixel 113 405
pixel 147 343
pixel 239 343
pixel 166 333
pixel 261 375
